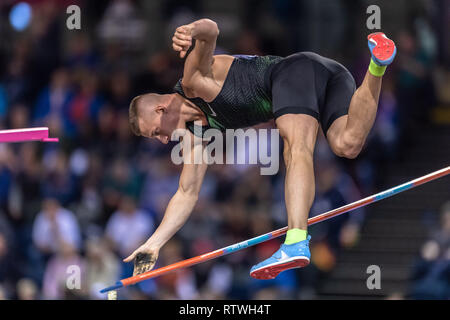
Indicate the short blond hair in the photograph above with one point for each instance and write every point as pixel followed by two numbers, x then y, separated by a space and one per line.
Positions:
pixel 134 116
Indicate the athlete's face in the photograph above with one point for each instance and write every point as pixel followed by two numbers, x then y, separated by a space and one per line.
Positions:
pixel 158 122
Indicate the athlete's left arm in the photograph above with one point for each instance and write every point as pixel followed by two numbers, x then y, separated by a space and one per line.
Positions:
pixel 197 67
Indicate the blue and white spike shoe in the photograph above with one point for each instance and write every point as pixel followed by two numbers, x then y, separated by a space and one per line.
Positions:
pixel 289 256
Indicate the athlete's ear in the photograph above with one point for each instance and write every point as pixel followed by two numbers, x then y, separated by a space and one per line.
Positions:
pixel 160 109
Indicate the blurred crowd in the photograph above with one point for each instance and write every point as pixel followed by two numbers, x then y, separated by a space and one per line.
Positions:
pixel 94 197
pixel 431 270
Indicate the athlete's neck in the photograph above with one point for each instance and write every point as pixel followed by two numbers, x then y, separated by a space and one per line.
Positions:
pixel 188 111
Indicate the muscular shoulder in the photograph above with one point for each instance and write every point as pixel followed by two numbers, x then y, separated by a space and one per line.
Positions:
pixel 208 87
pixel 220 66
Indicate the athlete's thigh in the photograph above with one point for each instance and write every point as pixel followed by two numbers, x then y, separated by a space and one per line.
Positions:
pixel 294 87
pixel 339 93
pixel 334 115
pixel 298 130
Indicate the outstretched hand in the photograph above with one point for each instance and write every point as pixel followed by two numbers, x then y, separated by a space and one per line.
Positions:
pixel 182 39
pixel 144 259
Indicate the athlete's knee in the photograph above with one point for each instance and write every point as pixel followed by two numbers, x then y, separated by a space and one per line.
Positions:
pixel 297 151
pixel 348 146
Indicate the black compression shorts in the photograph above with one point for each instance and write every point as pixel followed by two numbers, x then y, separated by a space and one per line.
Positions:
pixel 308 83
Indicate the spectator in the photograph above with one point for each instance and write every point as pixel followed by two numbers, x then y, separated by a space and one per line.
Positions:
pixel 86 104
pixel 16 80
pixel 128 227
pixel 9 269
pixel 3 104
pixel 27 290
pixel 64 263
pixel 54 227
pixel 431 273
pixel 102 267
pixel 58 182
pixel 52 105
pixel 121 178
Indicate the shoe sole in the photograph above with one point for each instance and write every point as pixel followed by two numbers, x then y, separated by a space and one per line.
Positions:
pixel 384 47
pixel 272 271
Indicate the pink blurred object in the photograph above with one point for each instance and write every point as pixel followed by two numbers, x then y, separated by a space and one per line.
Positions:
pixel 26 134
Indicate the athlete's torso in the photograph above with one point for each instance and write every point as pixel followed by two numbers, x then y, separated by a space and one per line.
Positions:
pixel 240 93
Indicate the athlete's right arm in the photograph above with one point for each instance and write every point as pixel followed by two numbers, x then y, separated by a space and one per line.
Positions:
pixel 198 75
pixel 177 212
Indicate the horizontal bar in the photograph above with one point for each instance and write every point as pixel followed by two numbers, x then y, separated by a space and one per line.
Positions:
pixel 26 134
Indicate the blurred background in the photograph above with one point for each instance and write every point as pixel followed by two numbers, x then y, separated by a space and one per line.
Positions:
pixel 93 198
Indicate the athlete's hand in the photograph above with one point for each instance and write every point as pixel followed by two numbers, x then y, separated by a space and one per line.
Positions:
pixel 182 39
pixel 144 259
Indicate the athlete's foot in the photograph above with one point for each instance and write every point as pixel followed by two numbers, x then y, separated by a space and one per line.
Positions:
pixel 289 256
pixel 382 48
